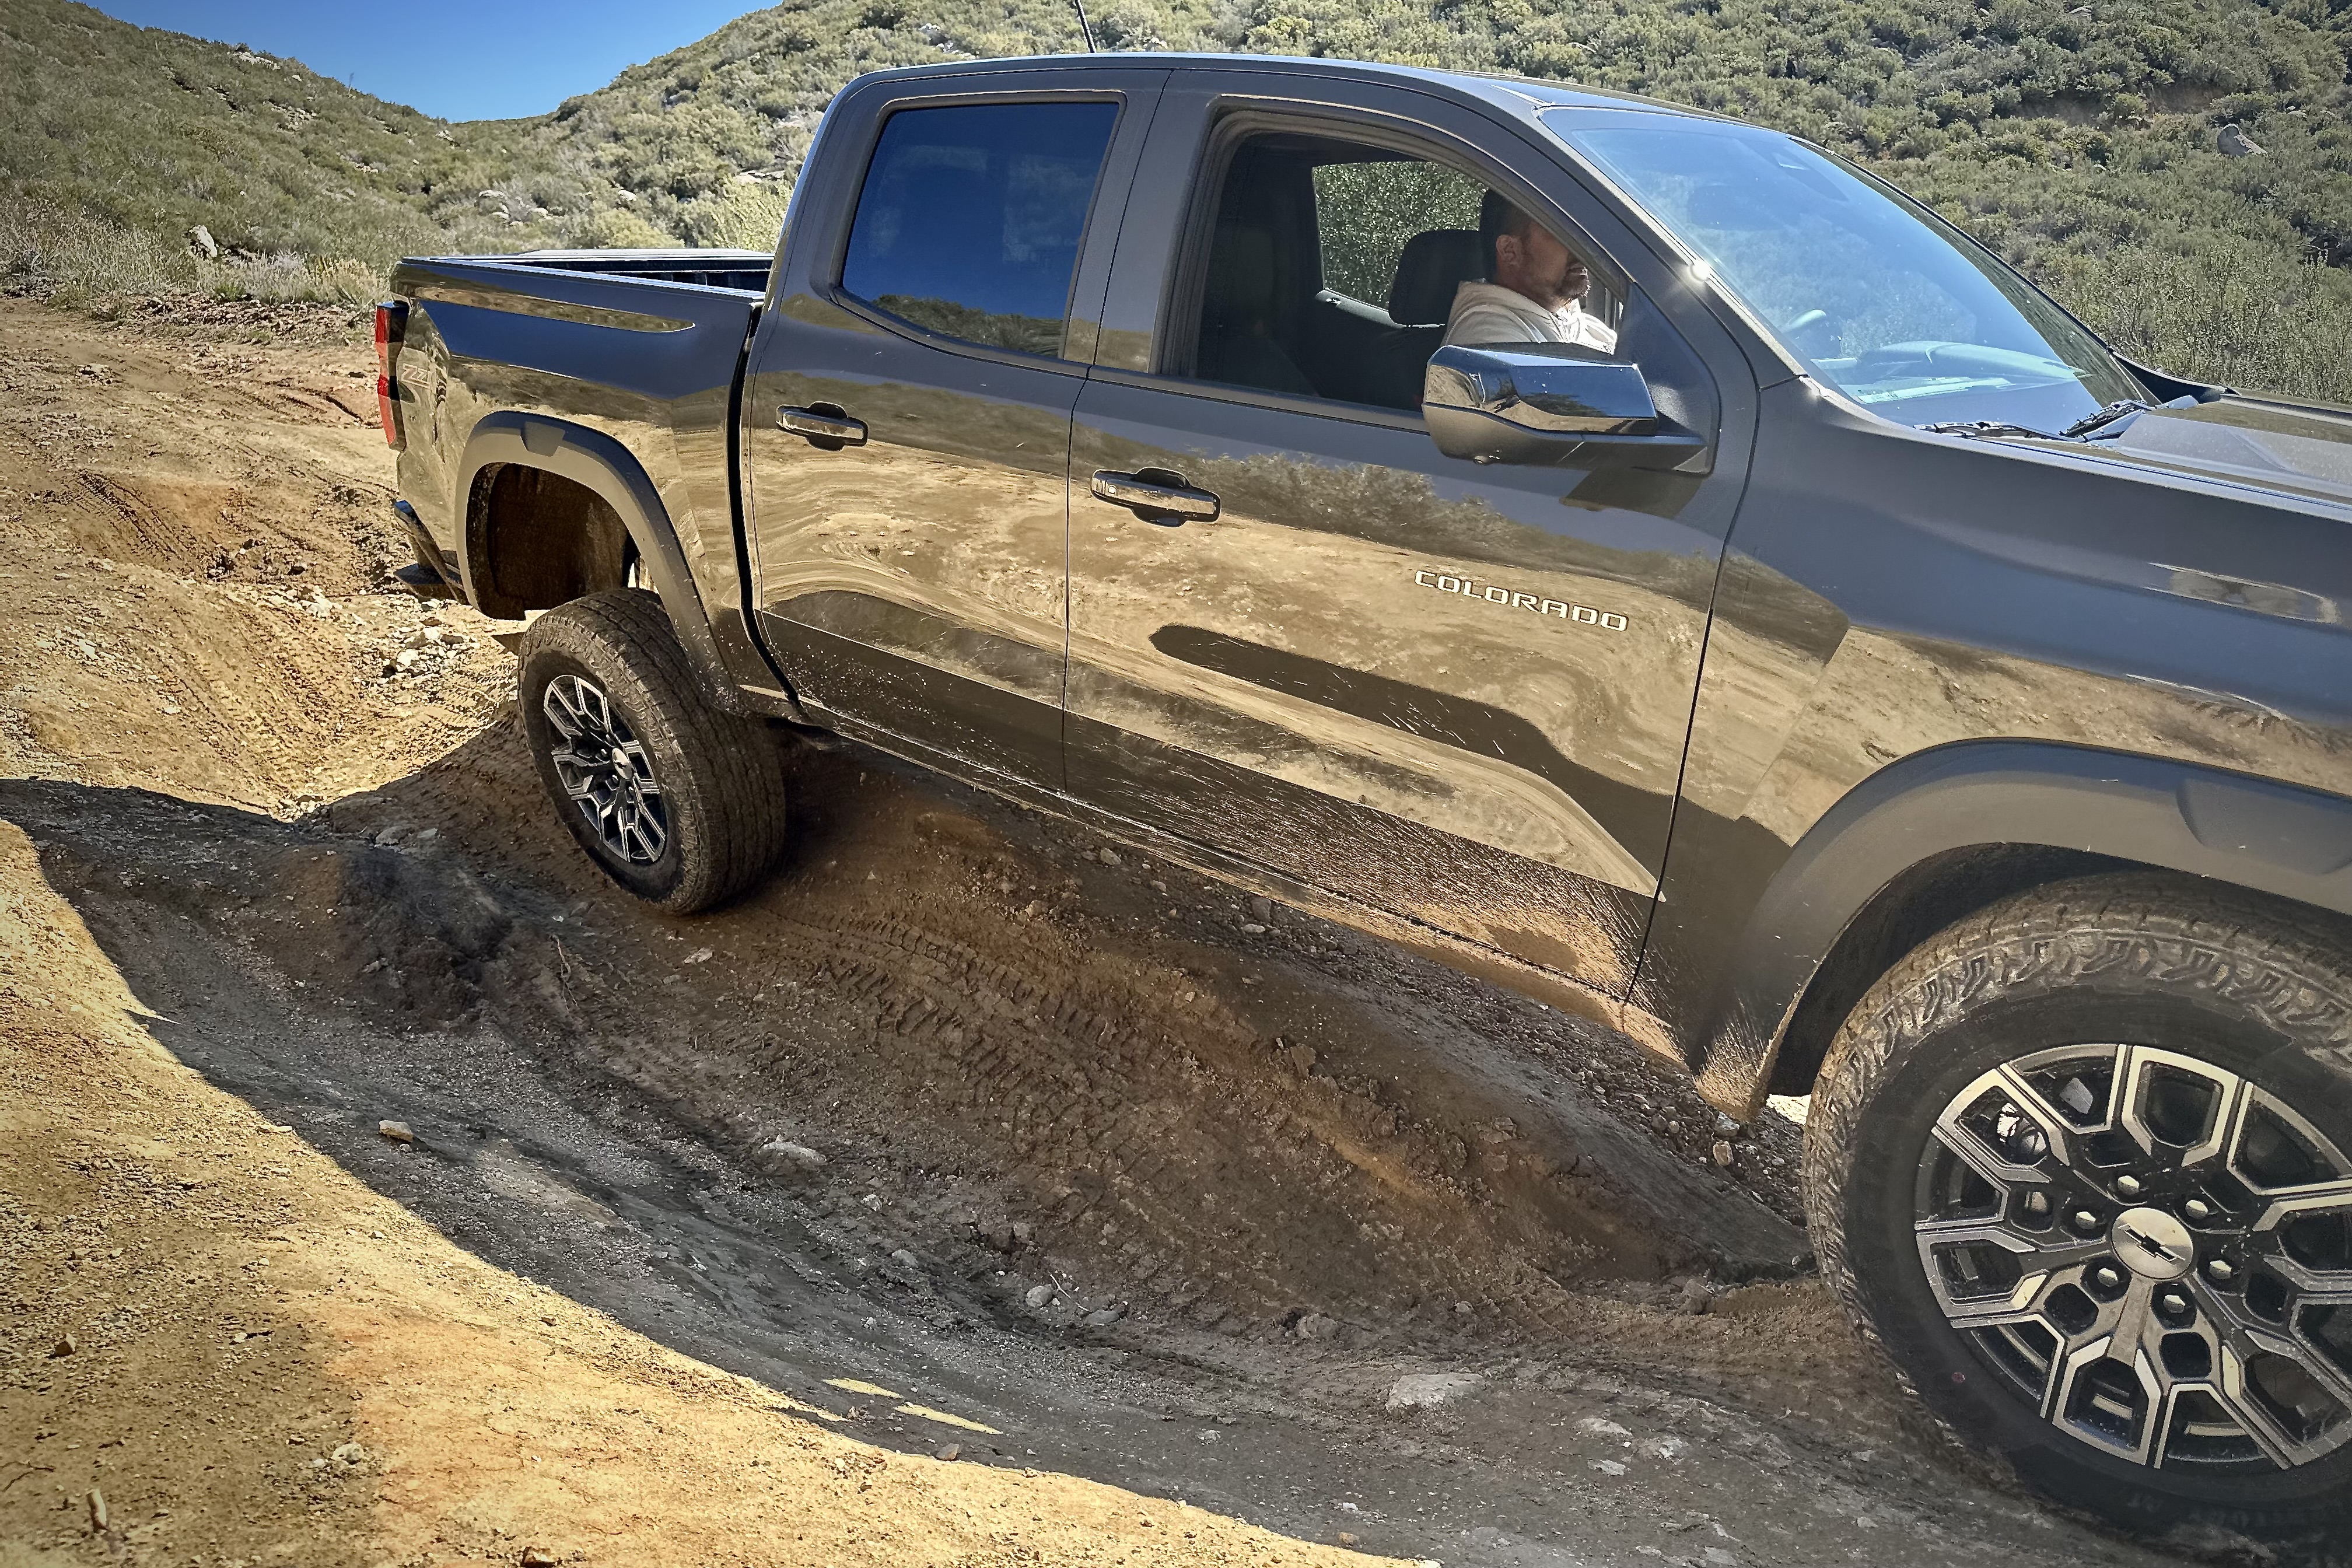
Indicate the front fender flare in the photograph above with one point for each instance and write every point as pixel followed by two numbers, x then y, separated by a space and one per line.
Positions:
pixel 2280 839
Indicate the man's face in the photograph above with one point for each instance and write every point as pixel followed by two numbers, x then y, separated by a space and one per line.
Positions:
pixel 1541 268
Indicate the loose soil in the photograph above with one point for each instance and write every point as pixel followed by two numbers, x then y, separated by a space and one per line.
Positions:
pixel 977 1192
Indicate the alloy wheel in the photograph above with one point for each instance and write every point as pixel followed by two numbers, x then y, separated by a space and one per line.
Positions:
pixel 2154 1252
pixel 604 771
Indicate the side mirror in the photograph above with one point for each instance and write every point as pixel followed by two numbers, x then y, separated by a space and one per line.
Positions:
pixel 1554 404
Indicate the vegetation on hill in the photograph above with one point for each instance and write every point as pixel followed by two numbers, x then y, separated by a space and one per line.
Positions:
pixel 2085 143
pixel 115 140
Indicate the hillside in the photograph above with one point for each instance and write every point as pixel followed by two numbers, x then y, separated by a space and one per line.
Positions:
pixel 115 140
pixel 2081 143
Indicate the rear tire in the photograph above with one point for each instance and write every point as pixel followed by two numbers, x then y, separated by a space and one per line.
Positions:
pixel 2081 1166
pixel 679 803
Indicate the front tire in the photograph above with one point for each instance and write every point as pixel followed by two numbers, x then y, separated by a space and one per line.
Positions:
pixel 679 803
pixel 2081 1166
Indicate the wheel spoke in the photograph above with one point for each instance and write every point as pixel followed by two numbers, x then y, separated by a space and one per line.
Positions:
pixel 2153 1250
pixel 600 763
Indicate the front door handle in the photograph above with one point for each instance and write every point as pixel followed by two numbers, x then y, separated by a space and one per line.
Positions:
pixel 1157 495
pixel 827 425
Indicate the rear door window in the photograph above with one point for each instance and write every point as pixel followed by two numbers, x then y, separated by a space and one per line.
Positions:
pixel 1367 212
pixel 970 217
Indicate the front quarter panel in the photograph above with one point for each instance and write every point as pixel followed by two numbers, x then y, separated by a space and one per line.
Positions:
pixel 1889 595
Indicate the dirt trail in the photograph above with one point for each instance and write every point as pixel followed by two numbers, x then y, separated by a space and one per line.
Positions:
pixel 967 1130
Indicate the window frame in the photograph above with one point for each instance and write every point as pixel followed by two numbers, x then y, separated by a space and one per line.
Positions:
pixel 1236 121
pixel 825 271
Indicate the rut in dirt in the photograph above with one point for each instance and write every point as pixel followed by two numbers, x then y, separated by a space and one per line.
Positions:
pixel 597 1093
pixel 1200 1136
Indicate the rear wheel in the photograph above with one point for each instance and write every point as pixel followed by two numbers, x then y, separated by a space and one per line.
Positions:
pixel 679 803
pixel 2082 1167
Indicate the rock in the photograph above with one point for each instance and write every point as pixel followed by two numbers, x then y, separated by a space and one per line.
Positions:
pixel 1428 1390
pixel 1107 855
pixel 1315 1326
pixel 950 1452
pixel 396 1131
pixel 538 1557
pixel 791 1156
pixel 1104 1317
pixel 1302 1059
pixel 1039 1297
pixel 1345 1537
pixel 1695 1299
pixel 1251 927
pixel 1262 908
pixel 2234 143
pixel 96 1502
pixel 1722 1153
pixel 906 1260
pixel 1724 1127
pixel 998 1235
pixel 1023 1233
pixel 202 244
pixel 1602 1426
pixel 1609 1467
pixel 349 1454
pixel 872 1200
pixel 63 1348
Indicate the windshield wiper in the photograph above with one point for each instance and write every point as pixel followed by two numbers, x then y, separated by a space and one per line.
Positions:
pixel 2083 429
pixel 2104 417
pixel 1992 430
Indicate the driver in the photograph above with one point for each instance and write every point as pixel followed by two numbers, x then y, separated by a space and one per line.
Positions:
pixel 1538 289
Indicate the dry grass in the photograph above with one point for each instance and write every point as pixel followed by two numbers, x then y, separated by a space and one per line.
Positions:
pixel 76 258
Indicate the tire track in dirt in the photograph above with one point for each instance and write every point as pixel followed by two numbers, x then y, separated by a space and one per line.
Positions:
pixel 155 536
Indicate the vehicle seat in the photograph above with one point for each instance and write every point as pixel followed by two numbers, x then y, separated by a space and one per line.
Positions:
pixel 1237 313
pixel 1434 265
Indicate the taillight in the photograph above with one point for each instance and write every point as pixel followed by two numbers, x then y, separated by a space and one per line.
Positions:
pixel 390 323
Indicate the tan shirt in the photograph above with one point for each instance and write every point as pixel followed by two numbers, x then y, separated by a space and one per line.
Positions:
pixel 1490 313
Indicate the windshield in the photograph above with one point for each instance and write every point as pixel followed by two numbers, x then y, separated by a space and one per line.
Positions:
pixel 1875 294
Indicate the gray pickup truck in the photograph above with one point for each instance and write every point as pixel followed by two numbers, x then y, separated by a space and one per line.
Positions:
pixel 1810 651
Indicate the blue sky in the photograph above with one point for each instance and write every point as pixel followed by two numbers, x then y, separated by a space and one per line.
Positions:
pixel 461 60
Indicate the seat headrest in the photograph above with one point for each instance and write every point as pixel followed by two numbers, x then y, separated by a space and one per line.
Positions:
pixel 1434 264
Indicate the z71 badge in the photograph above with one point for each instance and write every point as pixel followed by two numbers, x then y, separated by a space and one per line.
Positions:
pixel 1511 599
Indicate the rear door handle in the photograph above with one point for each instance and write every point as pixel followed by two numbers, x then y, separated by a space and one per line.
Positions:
pixel 1157 495
pixel 827 425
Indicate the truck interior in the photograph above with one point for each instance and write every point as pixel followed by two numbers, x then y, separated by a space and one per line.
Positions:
pixel 1331 268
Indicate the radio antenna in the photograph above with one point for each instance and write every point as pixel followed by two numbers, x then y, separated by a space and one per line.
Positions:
pixel 1085 29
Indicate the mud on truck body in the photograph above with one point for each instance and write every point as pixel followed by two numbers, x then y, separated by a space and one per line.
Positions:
pixel 1860 682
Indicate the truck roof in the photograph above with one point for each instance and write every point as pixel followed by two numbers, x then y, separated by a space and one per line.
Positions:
pixel 1522 97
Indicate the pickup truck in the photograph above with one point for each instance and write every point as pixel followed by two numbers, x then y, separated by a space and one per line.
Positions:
pixel 1812 652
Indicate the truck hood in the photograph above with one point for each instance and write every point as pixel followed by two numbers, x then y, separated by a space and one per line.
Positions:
pixel 2302 450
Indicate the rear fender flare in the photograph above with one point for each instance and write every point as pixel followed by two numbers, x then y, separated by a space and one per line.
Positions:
pixel 2085 807
pixel 603 465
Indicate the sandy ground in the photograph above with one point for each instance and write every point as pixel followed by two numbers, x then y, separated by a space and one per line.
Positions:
pixel 976 1192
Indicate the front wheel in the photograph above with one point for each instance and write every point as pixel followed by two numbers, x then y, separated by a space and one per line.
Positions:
pixel 2082 1167
pixel 680 803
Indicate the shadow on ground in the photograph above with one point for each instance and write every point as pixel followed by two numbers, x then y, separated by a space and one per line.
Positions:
pixel 1054 1151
